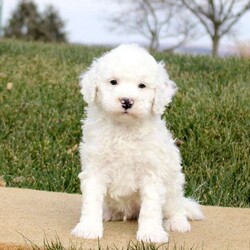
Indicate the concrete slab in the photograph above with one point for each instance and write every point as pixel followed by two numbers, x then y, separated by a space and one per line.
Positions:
pixel 32 216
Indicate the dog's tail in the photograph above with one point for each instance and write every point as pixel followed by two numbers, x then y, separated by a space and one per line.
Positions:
pixel 193 210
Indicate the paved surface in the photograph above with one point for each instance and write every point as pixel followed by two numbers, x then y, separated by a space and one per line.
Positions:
pixel 32 216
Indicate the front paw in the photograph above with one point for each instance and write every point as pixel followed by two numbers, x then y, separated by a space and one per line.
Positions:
pixel 88 230
pixel 177 224
pixel 151 235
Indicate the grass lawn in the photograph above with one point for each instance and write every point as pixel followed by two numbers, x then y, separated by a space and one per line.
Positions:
pixel 41 109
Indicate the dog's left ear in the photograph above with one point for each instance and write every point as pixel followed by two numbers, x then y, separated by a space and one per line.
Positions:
pixel 165 90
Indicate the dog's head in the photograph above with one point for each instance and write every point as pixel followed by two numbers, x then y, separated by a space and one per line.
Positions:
pixel 128 82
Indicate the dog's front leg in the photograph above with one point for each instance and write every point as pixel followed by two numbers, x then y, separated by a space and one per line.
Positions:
pixel 150 218
pixel 90 225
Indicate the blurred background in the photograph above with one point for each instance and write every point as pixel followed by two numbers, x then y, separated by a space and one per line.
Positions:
pixel 218 27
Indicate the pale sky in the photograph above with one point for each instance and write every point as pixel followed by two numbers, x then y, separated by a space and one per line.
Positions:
pixel 86 23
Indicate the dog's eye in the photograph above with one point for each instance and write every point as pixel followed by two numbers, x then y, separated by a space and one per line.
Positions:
pixel 113 82
pixel 142 86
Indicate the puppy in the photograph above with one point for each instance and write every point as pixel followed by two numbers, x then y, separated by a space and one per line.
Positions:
pixel 131 167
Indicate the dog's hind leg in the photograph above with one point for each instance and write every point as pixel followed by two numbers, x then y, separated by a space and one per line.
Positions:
pixel 132 211
pixel 178 209
pixel 178 220
pixel 111 211
pixel 112 215
pixel 175 218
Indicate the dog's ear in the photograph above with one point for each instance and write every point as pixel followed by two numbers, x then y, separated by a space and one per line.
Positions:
pixel 88 83
pixel 165 90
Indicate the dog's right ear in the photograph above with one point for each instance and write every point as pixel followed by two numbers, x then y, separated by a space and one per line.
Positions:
pixel 88 84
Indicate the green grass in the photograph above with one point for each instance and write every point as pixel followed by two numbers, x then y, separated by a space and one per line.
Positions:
pixel 40 119
pixel 56 244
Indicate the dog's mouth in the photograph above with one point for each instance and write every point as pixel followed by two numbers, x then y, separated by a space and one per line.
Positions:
pixel 128 114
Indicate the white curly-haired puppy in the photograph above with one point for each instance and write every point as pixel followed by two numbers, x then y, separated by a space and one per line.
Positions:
pixel 131 165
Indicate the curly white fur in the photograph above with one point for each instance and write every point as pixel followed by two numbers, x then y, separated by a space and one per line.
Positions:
pixel 131 167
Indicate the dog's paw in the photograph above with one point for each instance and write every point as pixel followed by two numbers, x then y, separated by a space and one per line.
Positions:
pixel 151 235
pixel 177 224
pixel 111 215
pixel 88 230
pixel 106 215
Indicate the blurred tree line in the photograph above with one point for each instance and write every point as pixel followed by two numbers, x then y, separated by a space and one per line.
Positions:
pixel 173 22
pixel 28 23
pixel 164 24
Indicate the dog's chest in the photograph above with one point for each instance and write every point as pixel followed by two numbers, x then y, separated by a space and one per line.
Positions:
pixel 123 183
pixel 123 155
pixel 124 163
pixel 121 145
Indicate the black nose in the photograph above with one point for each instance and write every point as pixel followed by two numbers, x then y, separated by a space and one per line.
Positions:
pixel 127 103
